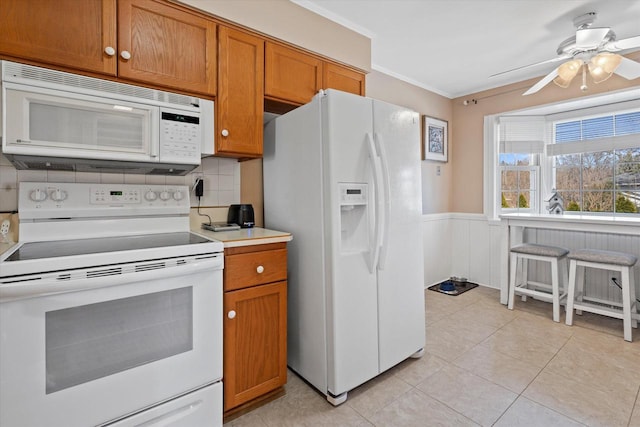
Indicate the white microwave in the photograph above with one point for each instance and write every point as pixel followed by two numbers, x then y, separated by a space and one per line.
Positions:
pixel 62 121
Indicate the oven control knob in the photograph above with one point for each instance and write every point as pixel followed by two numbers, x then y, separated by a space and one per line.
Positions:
pixel 177 195
pixel 150 196
pixel 165 195
pixel 38 195
pixel 58 195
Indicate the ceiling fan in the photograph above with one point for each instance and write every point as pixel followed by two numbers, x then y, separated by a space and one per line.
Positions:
pixel 592 49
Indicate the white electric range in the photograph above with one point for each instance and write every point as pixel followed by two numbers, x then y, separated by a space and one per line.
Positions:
pixel 110 310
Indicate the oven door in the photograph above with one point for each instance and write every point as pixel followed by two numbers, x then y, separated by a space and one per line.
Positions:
pixel 87 357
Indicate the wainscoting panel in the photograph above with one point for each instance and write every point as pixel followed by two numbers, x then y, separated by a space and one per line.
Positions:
pixel 469 245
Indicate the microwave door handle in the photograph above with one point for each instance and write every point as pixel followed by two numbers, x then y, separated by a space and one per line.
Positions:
pixel 154 150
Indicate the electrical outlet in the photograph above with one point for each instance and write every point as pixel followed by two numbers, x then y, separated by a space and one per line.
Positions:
pixel 4 227
pixel 4 231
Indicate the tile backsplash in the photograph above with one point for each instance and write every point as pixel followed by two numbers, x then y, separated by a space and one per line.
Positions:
pixel 221 181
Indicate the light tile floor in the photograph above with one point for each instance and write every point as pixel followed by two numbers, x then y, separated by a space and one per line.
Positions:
pixel 486 365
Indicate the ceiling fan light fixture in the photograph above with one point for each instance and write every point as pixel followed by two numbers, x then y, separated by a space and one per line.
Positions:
pixel 603 65
pixel 566 72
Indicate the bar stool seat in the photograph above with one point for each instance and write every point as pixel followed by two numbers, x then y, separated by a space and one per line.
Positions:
pixel 604 260
pixel 519 282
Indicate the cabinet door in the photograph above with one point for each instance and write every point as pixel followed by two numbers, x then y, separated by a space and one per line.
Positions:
pixel 239 105
pixel 255 342
pixel 291 75
pixel 69 33
pixel 344 79
pixel 166 46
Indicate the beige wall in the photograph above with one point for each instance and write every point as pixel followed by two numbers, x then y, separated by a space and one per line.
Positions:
pixel 436 189
pixel 468 121
pixel 294 24
pixel 317 34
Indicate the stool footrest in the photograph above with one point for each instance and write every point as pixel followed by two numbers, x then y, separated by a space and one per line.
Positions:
pixel 539 294
pixel 604 311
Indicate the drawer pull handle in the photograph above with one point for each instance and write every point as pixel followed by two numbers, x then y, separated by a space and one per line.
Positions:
pixel 231 314
pixel 260 269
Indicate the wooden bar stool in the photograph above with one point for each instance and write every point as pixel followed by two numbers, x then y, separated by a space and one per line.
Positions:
pixel 519 282
pixel 605 260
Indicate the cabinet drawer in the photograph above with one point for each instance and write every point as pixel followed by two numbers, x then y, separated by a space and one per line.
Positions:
pixel 254 268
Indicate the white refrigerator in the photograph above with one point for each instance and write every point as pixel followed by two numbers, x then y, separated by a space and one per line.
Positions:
pixel 342 173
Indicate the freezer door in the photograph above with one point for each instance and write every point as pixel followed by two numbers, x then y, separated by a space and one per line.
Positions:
pixel 293 188
pixel 400 268
pixel 352 306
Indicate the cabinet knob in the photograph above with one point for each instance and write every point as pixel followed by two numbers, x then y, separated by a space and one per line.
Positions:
pixel 260 269
pixel 231 314
pixel 225 132
pixel 125 55
pixel 109 51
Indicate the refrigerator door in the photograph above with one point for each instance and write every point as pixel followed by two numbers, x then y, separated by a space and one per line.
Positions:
pixel 293 188
pixel 400 268
pixel 352 300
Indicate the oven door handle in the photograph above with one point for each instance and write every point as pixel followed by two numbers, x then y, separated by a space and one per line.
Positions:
pixel 96 278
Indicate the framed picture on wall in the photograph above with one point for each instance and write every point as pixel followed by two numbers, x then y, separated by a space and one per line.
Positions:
pixel 435 139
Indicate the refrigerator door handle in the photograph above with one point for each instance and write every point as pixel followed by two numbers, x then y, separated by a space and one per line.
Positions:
pixel 385 184
pixel 374 252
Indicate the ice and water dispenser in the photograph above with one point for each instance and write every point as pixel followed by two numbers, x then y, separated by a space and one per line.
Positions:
pixel 354 217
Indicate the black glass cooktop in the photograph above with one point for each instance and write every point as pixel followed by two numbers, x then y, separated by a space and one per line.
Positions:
pixel 61 248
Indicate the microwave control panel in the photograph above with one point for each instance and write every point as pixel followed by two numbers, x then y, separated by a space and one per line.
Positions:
pixel 180 136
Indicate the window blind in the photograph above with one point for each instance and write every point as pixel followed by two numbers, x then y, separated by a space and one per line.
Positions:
pixel 605 133
pixel 521 134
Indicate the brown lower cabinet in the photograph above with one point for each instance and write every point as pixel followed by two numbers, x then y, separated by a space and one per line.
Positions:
pixel 255 323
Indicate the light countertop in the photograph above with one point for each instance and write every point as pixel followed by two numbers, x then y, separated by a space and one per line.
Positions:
pixel 618 224
pixel 246 236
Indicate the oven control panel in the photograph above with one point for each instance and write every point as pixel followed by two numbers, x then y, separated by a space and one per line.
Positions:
pixel 76 200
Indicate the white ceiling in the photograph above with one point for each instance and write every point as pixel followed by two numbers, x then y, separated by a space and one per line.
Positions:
pixel 451 47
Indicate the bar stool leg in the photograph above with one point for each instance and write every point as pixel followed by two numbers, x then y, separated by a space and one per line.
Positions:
pixel 512 280
pixel 555 291
pixel 632 294
pixel 626 303
pixel 525 277
pixel 580 278
pixel 564 271
pixel 571 290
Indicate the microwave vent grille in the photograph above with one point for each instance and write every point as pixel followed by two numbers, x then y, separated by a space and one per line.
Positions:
pixel 47 166
pixel 44 77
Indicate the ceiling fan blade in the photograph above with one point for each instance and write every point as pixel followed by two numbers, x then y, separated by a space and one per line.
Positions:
pixel 542 83
pixel 628 69
pixel 590 37
pixel 624 44
pixel 549 61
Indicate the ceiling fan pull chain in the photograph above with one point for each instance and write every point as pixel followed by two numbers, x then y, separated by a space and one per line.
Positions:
pixel 584 79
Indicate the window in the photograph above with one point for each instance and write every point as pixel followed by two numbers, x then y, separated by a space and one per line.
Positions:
pixel 518 181
pixel 596 163
pixel 586 148
pixel 521 141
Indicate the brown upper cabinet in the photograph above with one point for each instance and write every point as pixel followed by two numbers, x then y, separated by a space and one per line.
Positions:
pixel 239 104
pixel 156 43
pixel 166 46
pixel 67 33
pixel 342 78
pixel 292 75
